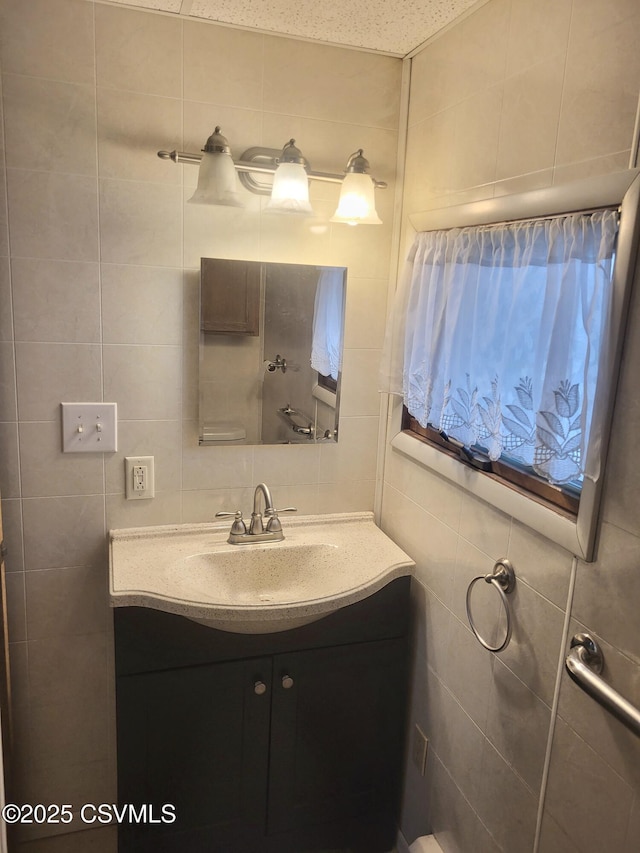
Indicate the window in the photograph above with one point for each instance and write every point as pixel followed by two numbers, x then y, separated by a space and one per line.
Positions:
pixel 327 382
pixel 504 342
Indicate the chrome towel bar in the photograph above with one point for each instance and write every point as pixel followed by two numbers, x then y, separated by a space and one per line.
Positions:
pixel 290 414
pixel 584 664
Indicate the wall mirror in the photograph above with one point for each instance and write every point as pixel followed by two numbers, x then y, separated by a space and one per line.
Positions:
pixel 270 352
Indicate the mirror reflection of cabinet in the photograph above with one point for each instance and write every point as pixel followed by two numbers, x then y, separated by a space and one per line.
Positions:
pixel 230 297
pixel 270 352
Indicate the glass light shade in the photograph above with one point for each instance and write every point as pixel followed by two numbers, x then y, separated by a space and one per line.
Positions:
pixel 357 204
pixel 290 193
pixel 216 181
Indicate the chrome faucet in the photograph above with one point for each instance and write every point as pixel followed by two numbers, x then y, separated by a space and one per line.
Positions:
pixel 257 525
pixel 258 531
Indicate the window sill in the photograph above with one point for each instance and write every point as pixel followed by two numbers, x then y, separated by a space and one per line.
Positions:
pixel 324 395
pixel 569 532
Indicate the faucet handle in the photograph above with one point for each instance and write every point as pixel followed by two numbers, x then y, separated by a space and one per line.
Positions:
pixel 238 525
pixel 271 512
pixel 274 525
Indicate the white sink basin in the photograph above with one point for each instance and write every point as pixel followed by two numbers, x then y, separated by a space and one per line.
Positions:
pixel 325 562
pixel 267 573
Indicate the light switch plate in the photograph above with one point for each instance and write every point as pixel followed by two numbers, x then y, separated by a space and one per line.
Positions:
pixel 89 427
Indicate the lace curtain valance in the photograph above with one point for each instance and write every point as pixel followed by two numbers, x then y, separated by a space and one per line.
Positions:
pixel 498 334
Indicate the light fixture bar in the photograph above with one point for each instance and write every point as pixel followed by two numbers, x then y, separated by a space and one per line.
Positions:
pixel 249 166
pixel 180 157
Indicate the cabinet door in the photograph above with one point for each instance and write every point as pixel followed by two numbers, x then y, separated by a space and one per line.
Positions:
pixel 195 738
pixel 230 296
pixel 337 741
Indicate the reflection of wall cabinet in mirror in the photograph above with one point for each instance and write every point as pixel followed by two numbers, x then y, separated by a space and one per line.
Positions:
pixel 230 297
pixel 270 352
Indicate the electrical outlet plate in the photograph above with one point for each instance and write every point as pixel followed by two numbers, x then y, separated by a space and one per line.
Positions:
pixel 419 746
pixel 139 477
pixel 89 427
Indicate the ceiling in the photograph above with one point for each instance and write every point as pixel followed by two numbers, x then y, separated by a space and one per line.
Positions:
pixel 377 25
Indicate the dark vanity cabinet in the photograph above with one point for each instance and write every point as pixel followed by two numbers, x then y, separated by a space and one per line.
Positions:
pixel 278 743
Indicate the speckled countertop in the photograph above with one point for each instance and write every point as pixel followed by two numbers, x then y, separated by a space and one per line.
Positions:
pixel 325 562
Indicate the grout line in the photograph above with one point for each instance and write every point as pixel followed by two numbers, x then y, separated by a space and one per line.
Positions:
pixel 554 707
pixel 100 342
pixel 185 290
pixel 634 157
pixel 563 95
pixel 20 496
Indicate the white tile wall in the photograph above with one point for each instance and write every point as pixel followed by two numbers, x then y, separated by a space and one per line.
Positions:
pixel 520 95
pixel 99 260
pixel 97 229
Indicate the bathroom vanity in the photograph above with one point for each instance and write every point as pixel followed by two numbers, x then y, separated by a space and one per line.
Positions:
pixel 284 742
pixel 261 683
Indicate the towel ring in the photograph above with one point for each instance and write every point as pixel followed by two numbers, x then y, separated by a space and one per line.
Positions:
pixel 504 580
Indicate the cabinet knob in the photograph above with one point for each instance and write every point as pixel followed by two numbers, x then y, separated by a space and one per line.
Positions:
pixel 259 688
pixel 287 682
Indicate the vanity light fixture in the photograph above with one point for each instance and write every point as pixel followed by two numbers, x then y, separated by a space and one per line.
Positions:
pixel 290 191
pixel 357 204
pixel 217 182
pixel 288 179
